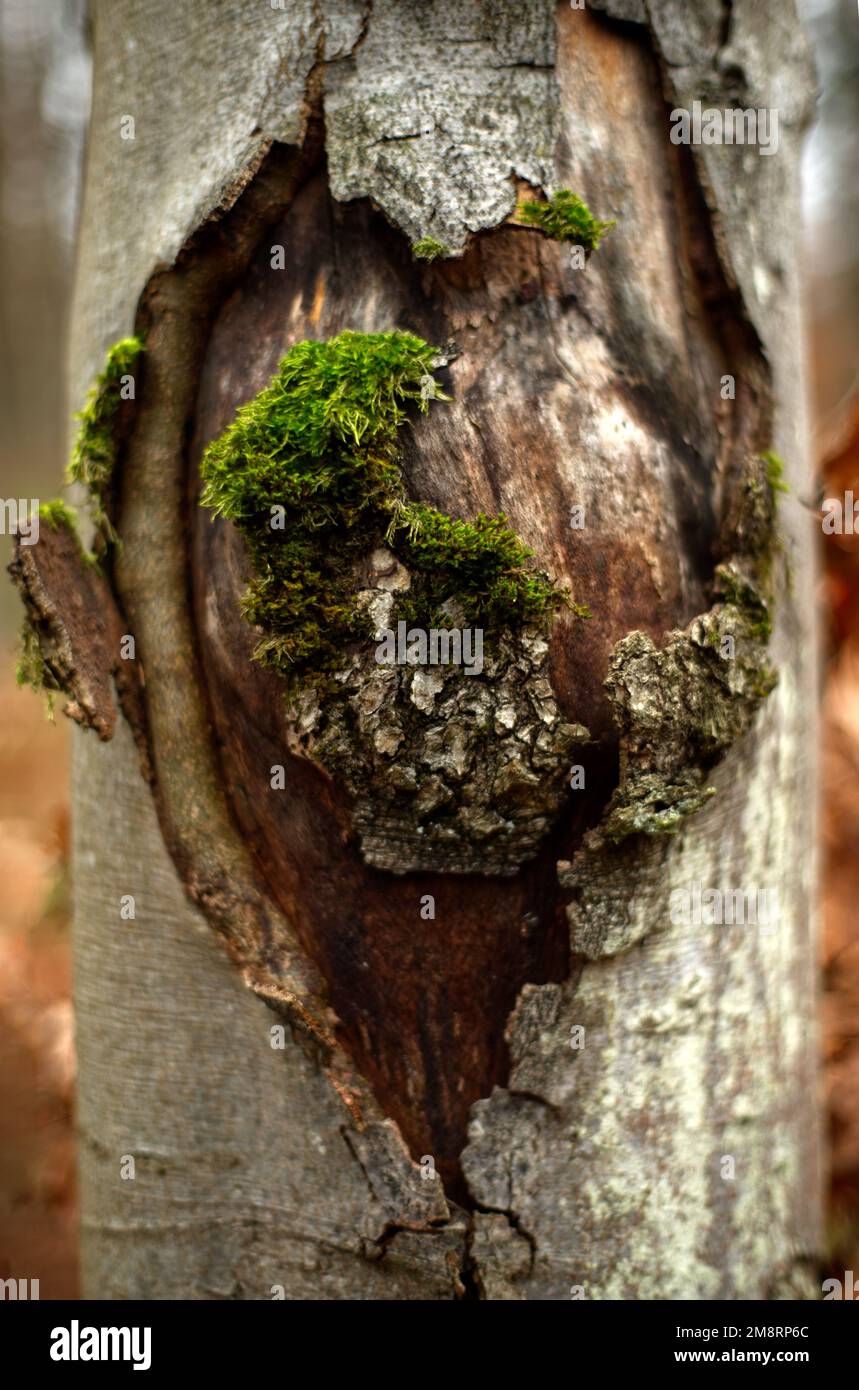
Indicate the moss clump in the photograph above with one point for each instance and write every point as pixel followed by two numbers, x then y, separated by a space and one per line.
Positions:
pixel 428 249
pixel 774 471
pixel 309 473
pixel 479 568
pixel 565 217
pixel 58 513
pixel 94 453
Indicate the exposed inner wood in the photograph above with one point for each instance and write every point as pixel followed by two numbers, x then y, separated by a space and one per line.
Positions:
pixel 547 413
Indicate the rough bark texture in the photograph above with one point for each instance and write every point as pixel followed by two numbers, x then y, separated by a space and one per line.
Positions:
pixel 70 609
pixel 345 131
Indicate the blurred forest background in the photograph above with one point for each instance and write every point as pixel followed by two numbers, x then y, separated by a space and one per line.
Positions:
pixel 45 77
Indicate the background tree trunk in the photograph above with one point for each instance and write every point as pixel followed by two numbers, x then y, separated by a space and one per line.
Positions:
pixel 344 131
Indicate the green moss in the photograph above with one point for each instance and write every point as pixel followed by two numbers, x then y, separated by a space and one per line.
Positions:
pixel 58 513
pixel 94 453
pixel 428 249
pixel 565 217
pixel 481 567
pixel 774 466
pixel 309 473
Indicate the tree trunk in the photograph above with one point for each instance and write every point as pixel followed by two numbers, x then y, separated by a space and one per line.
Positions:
pixel 617 1103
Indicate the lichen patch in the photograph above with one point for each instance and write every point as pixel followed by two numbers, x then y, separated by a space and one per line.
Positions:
pixel 450 773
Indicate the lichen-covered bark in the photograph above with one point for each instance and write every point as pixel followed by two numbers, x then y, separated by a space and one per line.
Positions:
pixel 437 109
pixel 448 775
pixel 281 1167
